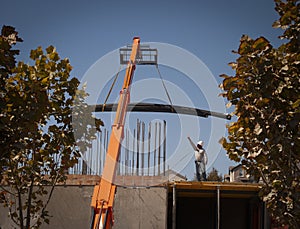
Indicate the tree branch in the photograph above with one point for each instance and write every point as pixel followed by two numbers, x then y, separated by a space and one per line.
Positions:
pixel 28 218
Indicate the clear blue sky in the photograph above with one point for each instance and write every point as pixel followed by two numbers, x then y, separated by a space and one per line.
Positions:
pixel 84 31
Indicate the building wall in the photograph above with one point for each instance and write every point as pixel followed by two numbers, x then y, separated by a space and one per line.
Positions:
pixel 239 174
pixel 69 208
pixel 134 208
pixel 141 208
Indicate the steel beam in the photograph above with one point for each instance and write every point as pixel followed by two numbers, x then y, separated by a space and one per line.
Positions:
pixel 163 108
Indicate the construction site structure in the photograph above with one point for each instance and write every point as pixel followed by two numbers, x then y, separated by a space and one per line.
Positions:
pixel 169 204
pixel 104 192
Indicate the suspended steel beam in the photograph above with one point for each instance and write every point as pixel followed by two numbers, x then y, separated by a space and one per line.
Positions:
pixel 163 108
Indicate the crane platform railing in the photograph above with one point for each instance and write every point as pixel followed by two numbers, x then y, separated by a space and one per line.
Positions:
pixel 145 56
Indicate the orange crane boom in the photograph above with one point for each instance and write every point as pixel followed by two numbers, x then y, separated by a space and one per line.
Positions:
pixel 103 196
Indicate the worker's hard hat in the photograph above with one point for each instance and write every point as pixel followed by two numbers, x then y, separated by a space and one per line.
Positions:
pixel 200 143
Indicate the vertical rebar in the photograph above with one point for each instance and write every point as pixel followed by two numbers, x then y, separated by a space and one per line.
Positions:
pixel 165 146
pixel 131 163
pixel 96 162
pixel 159 147
pixel 126 152
pixel 104 145
pixel 107 141
pixel 97 154
pixel 123 165
pixel 137 146
pixel 78 166
pixel 143 147
pixel 101 159
pixel 90 161
pixel 133 152
pixel 154 154
pixel 149 146
pixel 84 166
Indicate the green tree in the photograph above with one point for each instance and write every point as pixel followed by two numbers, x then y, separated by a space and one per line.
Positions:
pixel 266 95
pixel 213 175
pixel 37 143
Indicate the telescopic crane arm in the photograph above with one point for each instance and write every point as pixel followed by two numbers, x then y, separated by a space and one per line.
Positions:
pixel 103 196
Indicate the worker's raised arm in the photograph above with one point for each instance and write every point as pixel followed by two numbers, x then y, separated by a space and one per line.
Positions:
pixel 192 143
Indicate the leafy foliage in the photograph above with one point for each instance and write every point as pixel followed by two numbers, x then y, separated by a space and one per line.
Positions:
pixel 266 94
pixel 214 175
pixel 37 144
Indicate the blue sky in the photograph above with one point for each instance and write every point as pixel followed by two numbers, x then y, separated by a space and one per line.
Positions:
pixel 84 31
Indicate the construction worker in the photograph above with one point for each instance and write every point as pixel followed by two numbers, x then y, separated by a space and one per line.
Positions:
pixel 200 159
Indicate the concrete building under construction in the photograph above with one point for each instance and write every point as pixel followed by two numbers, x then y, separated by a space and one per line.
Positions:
pixel 170 205
pixel 136 188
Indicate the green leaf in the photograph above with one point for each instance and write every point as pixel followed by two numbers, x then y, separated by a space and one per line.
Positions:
pixel 50 49
pixel 244 48
pixel 296 104
pixel 260 43
pixel 47 220
pixel 35 54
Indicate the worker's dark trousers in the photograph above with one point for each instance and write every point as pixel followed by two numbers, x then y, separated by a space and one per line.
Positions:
pixel 200 172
